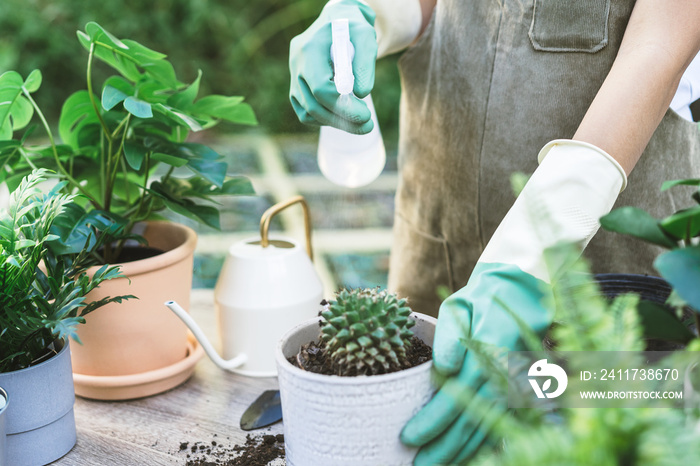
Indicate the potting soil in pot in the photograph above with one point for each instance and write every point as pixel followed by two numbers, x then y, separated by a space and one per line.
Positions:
pixel 258 450
pixel 312 356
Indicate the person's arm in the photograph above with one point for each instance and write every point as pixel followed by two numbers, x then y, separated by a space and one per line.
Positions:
pixel 661 39
pixel 426 7
pixel 576 183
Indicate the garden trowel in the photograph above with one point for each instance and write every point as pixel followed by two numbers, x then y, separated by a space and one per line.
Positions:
pixel 266 410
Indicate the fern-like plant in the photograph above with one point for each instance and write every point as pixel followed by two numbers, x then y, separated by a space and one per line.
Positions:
pixel 367 332
pixel 585 322
pixel 41 293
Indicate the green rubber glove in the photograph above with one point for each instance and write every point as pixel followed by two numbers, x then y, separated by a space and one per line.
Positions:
pixel 575 184
pixel 312 91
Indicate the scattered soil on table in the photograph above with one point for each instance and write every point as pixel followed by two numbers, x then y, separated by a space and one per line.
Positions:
pixel 312 356
pixel 258 450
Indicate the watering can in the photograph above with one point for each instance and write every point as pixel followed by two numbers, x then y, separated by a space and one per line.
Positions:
pixel 266 286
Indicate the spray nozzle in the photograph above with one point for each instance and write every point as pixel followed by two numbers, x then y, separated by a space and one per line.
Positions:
pixel 342 53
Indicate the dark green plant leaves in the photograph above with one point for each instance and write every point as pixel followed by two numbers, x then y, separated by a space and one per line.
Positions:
pixel 636 222
pixel 684 224
pixel 660 323
pixel 681 267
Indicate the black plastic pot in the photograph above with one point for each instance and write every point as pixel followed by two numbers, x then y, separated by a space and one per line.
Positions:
pixel 650 288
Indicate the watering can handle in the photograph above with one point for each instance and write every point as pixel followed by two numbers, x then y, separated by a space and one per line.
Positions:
pixel 277 208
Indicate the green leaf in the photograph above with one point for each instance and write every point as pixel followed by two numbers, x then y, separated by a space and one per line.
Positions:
pixel 237 185
pixel 213 171
pixel 225 108
pixel 138 108
pixel 689 182
pixel 135 154
pixel 205 214
pixel 76 114
pixel 33 81
pixel 636 222
pixel 98 33
pixel 184 100
pixel 659 323
pixel 172 115
pixel 684 224
pixel 681 267
pixel 141 53
pixel 112 96
pixel 15 110
pixel 21 113
pixel 162 71
pixel 172 160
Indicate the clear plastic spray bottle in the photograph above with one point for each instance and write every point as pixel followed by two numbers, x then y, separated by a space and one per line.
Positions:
pixel 350 160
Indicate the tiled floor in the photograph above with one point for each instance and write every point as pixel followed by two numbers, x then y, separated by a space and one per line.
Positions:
pixel 351 227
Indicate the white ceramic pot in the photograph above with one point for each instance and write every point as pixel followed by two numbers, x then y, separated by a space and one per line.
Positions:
pixel 349 421
pixel 39 422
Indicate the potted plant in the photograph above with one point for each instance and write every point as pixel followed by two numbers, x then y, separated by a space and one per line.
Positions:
pixel 557 432
pixel 679 267
pixel 346 383
pixel 42 301
pixel 124 149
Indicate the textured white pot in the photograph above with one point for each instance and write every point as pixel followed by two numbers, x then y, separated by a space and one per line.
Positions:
pixel 353 421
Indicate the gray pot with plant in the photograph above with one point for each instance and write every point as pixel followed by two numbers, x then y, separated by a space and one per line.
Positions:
pixel 42 301
pixel 347 394
pixel 3 410
pixel 123 147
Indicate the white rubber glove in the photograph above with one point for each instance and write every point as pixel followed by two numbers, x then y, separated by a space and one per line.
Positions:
pixel 575 184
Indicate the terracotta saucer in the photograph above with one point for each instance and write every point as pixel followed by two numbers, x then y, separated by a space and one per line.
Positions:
pixel 126 387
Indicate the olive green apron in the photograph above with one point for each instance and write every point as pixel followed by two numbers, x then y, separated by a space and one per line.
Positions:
pixel 486 86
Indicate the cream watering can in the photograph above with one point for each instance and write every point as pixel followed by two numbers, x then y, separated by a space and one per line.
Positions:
pixel 266 286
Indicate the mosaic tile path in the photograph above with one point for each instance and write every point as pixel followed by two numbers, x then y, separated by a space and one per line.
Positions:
pixel 351 227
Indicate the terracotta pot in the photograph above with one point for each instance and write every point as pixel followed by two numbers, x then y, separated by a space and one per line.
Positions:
pixel 140 335
pixel 349 421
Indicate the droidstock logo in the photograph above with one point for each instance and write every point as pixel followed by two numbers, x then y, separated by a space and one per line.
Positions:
pixel 543 369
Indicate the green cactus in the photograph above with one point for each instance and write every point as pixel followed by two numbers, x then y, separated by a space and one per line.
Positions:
pixel 366 332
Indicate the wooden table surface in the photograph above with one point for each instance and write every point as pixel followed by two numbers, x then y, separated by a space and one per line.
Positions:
pixel 149 431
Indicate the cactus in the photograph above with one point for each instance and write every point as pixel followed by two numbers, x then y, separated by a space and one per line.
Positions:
pixel 366 332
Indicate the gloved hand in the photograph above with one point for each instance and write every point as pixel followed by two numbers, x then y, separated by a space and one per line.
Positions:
pixel 312 91
pixel 575 184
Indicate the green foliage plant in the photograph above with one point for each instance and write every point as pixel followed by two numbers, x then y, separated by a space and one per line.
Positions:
pixel 679 233
pixel 42 294
pixel 367 332
pixel 114 137
pixel 556 434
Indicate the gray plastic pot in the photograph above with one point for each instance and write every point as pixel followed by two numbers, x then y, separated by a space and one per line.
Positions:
pixel 349 421
pixel 3 410
pixel 39 421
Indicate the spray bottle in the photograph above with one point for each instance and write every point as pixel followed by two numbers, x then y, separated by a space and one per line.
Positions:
pixel 350 160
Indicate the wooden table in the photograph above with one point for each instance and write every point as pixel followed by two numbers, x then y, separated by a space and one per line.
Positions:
pixel 150 431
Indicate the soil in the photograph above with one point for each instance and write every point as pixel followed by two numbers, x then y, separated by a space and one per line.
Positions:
pixel 312 356
pixel 135 253
pixel 258 450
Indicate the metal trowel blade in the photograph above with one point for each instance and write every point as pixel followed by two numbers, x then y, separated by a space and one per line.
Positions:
pixel 266 410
